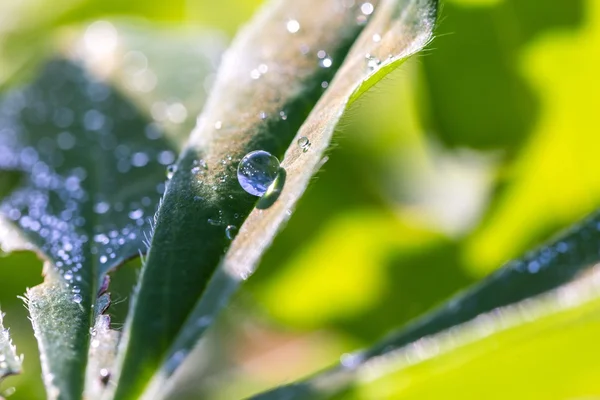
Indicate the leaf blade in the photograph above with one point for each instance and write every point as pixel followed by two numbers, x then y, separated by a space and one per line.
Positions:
pixel 265 89
pixel 571 256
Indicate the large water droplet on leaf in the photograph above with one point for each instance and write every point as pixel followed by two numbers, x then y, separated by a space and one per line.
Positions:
pixel 257 171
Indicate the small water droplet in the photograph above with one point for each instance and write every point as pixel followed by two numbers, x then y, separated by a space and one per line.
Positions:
pixel 257 171
pixel 263 68
pixel 326 61
pixel 171 169
pixel 367 8
pixel 262 115
pixel 376 37
pixel 283 115
pixel 218 125
pixel 304 143
pixel 104 376
pixel 293 26
pixel 77 298
pixel 324 84
pixel 136 214
pixel 231 231
pixel 349 360
pixel 372 62
pixel 101 207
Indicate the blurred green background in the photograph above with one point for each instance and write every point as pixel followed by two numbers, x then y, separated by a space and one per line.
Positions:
pixel 477 150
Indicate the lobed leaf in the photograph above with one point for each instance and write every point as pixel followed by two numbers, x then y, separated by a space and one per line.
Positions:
pixel 10 362
pixel 569 257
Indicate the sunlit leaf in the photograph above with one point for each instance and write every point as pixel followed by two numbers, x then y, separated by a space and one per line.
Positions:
pixel 569 257
pixel 544 347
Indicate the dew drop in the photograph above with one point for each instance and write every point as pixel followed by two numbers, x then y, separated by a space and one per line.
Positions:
pixel 166 157
pixel 254 74
pixel 218 125
pixel 326 62
pixel 101 207
pixel 171 169
pixel 367 8
pixel 77 298
pixel 231 231
pixel 136 214
pixel 304 143
pixel 293 26
pixel 372 62
pixel 257 171
pixel 283 115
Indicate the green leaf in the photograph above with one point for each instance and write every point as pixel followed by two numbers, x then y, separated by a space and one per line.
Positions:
pixel 572 255
pixel 543 346
pixel 267 85
pixel 10 362
pixel 85 213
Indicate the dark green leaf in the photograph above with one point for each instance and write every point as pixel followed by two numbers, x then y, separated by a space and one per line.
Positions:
pixel 571 256
pixel 90 185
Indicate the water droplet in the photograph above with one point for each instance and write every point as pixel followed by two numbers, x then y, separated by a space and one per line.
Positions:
pixel 104 376
pixel 218 125
pixel 101 207
pixel 376 37
pixel 171 169
pixel 324 84
pixel 166 157
pixel 103 259
pixel 262 115
pixel 372 62
pixel 304 143
pixel 136 214
pixel 283 115
pixel 367 8
pixel 254 74
pixel 326 62
pixel 257 171
pixel 293 26
pixel 77 298
pixel 231 231
pixel 263 68
pixel 349 360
